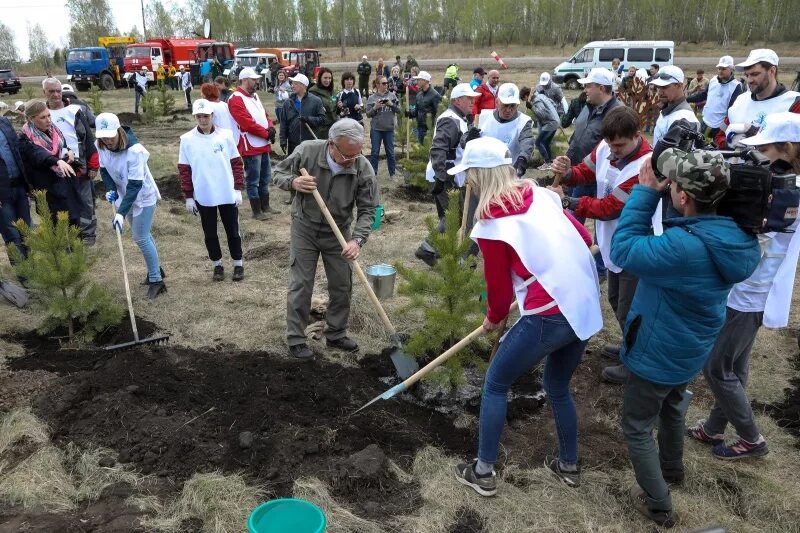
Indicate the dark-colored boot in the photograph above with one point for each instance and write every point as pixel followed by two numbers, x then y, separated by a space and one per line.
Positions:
pixel 238 273
pixel 301 352
pixel 265 208
pixel 345 344
pixel 147 277
pixel 616 374
pixel 156 288
pixel 255 205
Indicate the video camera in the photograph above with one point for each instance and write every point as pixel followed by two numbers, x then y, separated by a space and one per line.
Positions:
pixel 761 197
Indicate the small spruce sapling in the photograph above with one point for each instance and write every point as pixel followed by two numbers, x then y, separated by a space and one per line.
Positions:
pixel 448 295
pixel 149 107
pixel 165 100
pixel 56 267
pixel 95 100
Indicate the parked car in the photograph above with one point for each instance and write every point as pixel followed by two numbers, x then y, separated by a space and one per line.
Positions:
pixel 9 82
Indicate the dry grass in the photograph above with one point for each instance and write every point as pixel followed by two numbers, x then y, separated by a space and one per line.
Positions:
pixel 223 503
pixel 21 424
pixel 340 520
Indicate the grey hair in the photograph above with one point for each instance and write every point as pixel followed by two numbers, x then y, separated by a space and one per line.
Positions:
pixel 346 127
pixel 50 81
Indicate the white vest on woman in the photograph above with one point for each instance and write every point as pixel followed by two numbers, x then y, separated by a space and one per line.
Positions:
pixel 554 253
pixel 256 110
pixel 430 175
pixel 609 178
pixel 507 132
pixel 131 165
pixel 210 156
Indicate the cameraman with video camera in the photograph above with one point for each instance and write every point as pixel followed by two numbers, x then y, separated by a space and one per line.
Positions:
pixel 685 276
pixel 766 96
pixel 764 298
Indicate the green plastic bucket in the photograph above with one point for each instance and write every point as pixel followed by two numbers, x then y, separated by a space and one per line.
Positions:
pixel 378 217
pixel 286 515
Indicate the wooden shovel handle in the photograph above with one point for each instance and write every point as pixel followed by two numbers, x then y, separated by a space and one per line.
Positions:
pixel 359 272
pixel 463 228
pixel 460 345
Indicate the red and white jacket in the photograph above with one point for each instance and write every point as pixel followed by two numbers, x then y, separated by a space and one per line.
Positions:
pixel 486 100
pixel 253 134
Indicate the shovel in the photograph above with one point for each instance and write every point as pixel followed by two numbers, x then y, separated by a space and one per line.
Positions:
pixel 404 364
pixel 136 341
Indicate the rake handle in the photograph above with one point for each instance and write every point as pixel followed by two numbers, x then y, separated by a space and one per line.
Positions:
pixel 127 285
pixel 356 266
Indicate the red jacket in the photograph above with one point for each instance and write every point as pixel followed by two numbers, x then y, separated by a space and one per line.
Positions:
pixel 500 259
pixel 248 125
pixel 486 100
pixel 610 207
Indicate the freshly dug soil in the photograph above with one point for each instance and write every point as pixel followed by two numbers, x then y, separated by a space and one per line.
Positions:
pixel 271 251
pixel 787 412
pixel 411 194
pixel 170 187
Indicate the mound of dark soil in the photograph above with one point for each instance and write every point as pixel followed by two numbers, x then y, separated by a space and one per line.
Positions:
pixel 411 194
pixel 126 118
pixel 170 187
pixel 272 251
pixel 787 412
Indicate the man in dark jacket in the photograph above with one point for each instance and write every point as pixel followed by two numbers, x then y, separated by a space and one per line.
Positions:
pixel 685 276
pixel 427 103
pixel 364 70
pixel 14 187
pixel 302 112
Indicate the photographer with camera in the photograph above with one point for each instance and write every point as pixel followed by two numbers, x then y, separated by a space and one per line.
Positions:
pixel 382 105
pixel 685 276
pixel 766 96
pixel 764 298
pixel 72 122
pixel 613 168
pixel 669 83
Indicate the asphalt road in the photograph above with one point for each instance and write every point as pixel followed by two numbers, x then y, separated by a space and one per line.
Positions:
pixel 788 64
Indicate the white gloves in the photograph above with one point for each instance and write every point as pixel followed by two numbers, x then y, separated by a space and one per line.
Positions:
pixel 237 198
pixel 118 223
pixel 191 206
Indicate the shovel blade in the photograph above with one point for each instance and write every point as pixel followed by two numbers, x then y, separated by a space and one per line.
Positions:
pixel 405 365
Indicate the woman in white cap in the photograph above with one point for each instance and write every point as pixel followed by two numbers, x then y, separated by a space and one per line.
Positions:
pixel 535 251
pixel 132 189
pixel 212 179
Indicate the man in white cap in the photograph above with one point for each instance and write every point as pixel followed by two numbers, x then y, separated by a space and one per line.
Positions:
pixel 599 99
pixel 509 125
pixel 670 84
pixel 139 87
pixel 487 93
pixel 364 70
pixel 68 92
pixel 427 103
pixel 553 92
pixel 722 91
pixel 186 85
pixel 254 137
pixel 302 113
pixel 73 124
pixel 746 115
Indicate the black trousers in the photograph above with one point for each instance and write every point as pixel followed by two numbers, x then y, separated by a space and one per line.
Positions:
pixel 229 214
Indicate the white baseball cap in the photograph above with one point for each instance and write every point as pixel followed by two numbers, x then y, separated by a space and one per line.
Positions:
pixel 247 73
pixel 423 75
pixel 462 89
pixel 19 104
pixel 201 106
pixel 106 125
pixel 757 56
pixel 363 57
pixel 508 93
pixel 484 152
pixel 67 88
pixel 725 62
pixel 598 75
pixel 544 79
pixel 778 128
pixel 144 68
pixel 300 78
pixel 667 76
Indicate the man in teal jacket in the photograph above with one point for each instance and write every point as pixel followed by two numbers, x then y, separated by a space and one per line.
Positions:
pixel 678 310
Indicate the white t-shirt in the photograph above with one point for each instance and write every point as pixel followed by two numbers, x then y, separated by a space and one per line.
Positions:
pixel 131 165
pixel 209 156
pixel 64 120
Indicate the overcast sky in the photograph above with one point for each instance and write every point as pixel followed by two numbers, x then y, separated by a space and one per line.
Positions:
pixel 54 18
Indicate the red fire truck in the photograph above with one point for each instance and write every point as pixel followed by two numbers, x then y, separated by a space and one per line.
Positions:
pixel 174 52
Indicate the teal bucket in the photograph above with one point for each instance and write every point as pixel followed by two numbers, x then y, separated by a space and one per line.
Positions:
pixel 286 515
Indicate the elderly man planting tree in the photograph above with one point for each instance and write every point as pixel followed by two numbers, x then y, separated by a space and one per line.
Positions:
pixel 344 178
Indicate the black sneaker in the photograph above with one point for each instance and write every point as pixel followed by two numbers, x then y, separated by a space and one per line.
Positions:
pixel 616 374
pixel 673 477
pixel 572 479
pixel 485 485
pixel 156 288
pixel 664 519
pixel 219 273
pixel 147 277
pixel 345 344
pixel 238 273
pixel 301 352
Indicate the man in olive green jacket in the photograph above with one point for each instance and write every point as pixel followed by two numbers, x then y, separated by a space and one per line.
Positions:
pixel 344 179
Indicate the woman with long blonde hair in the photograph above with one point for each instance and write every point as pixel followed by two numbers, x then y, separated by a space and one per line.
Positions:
pixel 536 251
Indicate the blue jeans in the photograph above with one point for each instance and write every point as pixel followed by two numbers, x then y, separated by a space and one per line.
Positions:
pixel 17 207
pixel 529 341
pixel 387 138
pixel 140 229
pixel 258 174
pixel 542 142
